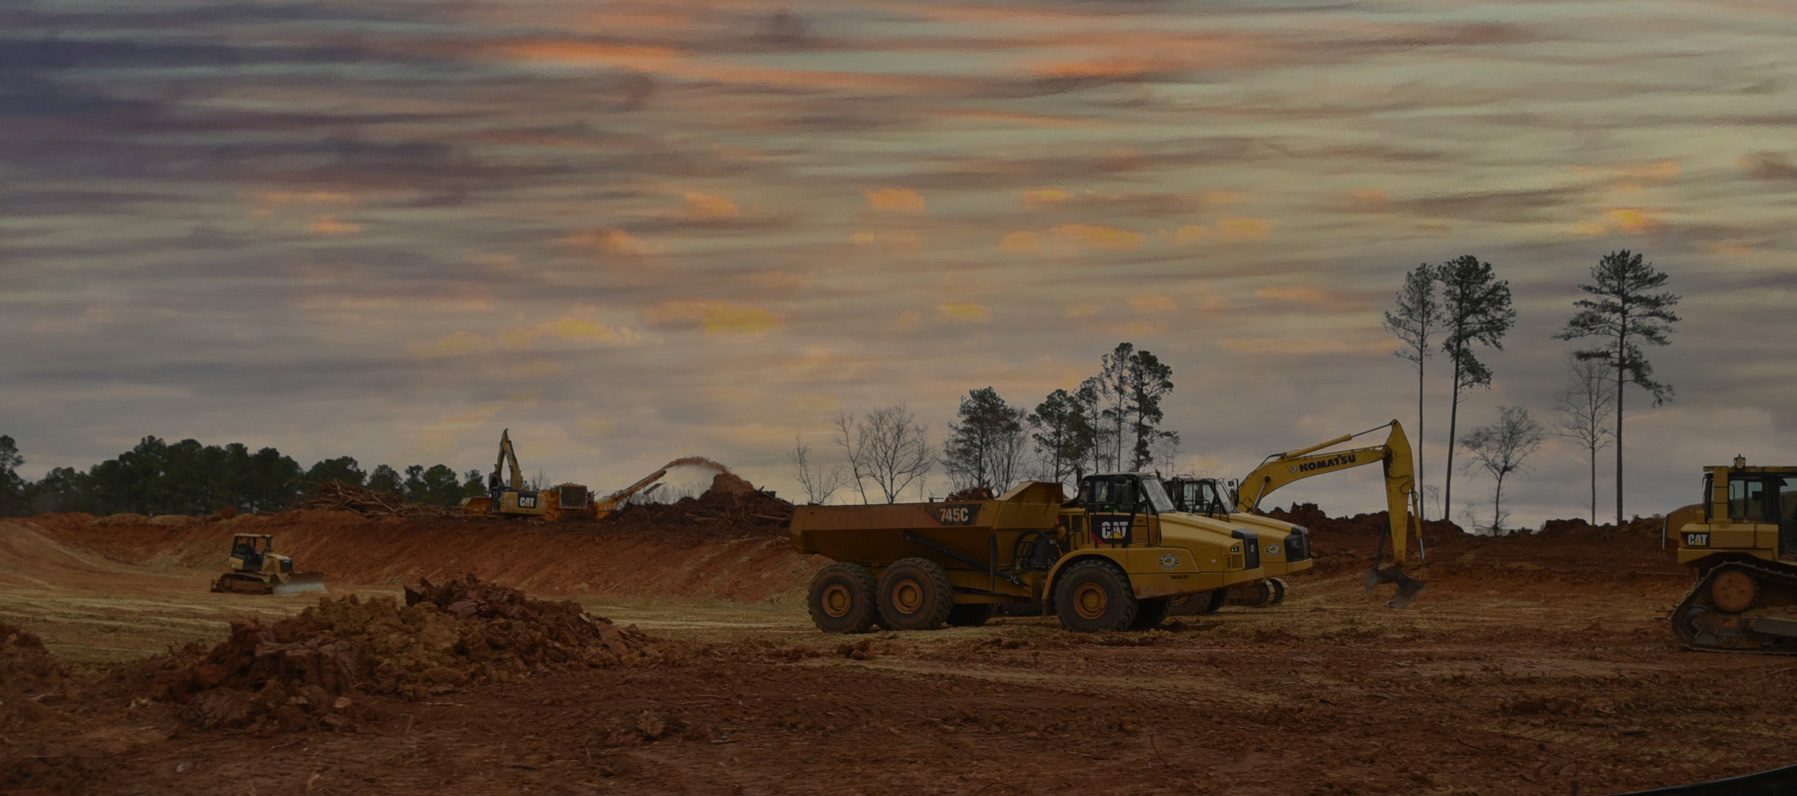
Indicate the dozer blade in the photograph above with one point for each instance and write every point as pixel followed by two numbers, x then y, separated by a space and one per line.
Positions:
pixel 301 583
pixel 1407 586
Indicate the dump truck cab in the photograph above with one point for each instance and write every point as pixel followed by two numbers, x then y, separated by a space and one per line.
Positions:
pixel 1284 546
pixel 1110 559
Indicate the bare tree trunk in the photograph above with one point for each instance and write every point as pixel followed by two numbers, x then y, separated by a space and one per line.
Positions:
pixel 1421 510
pixel 1619 372
pixel 1447 498
pixel 1497 506
pixel 1593 484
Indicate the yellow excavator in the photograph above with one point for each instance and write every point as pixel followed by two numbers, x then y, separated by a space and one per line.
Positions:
pixel 1741 543
pixel 257 569
pixel 1206 496
pixel 507 497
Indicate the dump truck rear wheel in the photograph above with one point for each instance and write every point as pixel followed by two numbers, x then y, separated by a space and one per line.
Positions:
pixel 915 594
pixel 1150 613
pixel 1094 595
pixel 842 599
pixel 969 614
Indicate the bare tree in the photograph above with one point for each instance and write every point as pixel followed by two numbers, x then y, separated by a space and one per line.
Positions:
pixel 888 447
pixel 1476 311
pixel 1500 448
pixel 1625 309
pixel 819 483
pixel 1415 320
pixel 1582 409
pixel 985 447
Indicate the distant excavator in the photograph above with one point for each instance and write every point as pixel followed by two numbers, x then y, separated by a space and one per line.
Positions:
pixel 507 496
pixel 1207 496
pixel 257 569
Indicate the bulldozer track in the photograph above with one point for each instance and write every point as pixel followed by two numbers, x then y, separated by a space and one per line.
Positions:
pixel 1696 603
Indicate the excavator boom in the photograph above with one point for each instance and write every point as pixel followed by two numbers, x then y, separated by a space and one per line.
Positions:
pixel 1394 455
pixel 508 455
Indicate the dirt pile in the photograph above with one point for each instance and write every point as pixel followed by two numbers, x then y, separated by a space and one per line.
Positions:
pixel 28 675
pixel 732 507
pixel 314 670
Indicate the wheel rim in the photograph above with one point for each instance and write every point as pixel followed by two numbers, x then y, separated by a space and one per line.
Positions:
pixel 837 600
pixel 907 596
pixel 1090 600
pixel 1733 591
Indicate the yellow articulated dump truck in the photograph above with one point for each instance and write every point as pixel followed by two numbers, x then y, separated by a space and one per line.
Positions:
pixel 1110 559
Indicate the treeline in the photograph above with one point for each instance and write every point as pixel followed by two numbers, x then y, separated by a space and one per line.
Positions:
pixel 1108 422
pixel 186 477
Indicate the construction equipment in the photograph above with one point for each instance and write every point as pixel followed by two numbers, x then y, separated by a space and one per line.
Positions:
pixel 1401 499
pixel 257 569
pixel 1111 559
pixel 1741 544
pixel 506 496
pixel 1284 546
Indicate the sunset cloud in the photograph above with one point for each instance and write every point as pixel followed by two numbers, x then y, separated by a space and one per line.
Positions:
pixel 1094 236
pixel 894 200
pixel 715 318
pixel 609 240
pixel 1243 228
pixel 333 227
pixel 964 312
pixel 709 207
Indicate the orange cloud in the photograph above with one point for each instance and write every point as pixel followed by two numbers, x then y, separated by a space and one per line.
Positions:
pixel 964 312
pixel 709 207
pixel 1186 235
pixel 1302 295
pixel 895 200
pixel 608 240
pixel 1366 200
pixel 1243 228
pixel 451 345
pixel 1021 242
pixel 1628 220
pixel 896 240
pixel 1152 303
pixel 1092 236
pixel 716 318
pixel 332 227
pixel 1264 346
pixel 629 56
pixel 1045 196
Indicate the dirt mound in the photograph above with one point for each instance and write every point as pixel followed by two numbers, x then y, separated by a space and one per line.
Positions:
pixel 731 507
pixel 312 670
pixel 26 669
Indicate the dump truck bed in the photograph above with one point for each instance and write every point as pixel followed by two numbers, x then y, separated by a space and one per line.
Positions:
pixel 958 534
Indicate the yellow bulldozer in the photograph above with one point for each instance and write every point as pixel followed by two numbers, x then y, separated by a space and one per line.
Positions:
pixel 1113 558
pixel 257 569
pixel 1285 547
pixel 1741 544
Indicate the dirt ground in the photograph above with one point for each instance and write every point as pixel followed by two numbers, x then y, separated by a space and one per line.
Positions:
pixel 1530 664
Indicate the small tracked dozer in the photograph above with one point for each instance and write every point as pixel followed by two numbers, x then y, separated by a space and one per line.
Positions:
pixel 257 569
pixel 1741 543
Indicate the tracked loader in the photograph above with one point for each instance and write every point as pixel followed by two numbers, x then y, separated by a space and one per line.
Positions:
pixel 257 569
pixel 1741 545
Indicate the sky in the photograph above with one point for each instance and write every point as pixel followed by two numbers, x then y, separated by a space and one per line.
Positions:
pixel 633 231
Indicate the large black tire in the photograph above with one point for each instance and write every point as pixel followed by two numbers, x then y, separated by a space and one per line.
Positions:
pixel 1278 590
pixel 915 594
pixel 1150 613
pixel 969 614
pixel 1094 595
pixel 1213 601
pixel 842 599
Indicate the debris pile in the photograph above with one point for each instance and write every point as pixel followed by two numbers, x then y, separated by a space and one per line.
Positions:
pixel 339 496
pixel 731 507
pixel 28 676
pixel 311 670
pixel 971 493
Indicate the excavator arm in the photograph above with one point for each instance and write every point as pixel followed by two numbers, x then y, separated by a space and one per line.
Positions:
pixel 616 499
pixel 509 456
pixel 1394 455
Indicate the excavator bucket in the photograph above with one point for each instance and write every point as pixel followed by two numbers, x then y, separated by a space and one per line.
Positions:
pixel 1407 586
pixel 301 583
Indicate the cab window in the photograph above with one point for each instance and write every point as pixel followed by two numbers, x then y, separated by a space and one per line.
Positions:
pixel 1746 499
pixel 1787 499
pixel 1111 495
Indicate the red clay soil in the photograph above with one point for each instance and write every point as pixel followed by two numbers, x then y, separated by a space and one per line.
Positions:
pixel 1532 663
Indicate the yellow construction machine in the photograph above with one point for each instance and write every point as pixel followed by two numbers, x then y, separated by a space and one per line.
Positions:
pixel 1741 544
pixel 257 569
pixel 507 496
pixel 1206 496
pixel 1113 558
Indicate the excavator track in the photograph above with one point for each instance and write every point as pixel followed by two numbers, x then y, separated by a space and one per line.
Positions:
pixel 1701 624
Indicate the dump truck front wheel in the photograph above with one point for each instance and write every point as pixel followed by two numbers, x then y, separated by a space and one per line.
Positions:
pixel 915 594
pixel 1094 595
pixel 842 599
